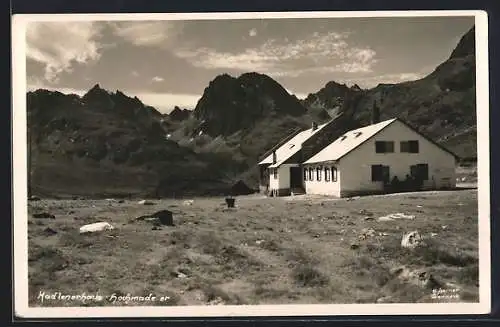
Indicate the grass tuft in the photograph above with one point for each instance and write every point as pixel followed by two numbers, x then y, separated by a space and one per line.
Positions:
pixel 309 276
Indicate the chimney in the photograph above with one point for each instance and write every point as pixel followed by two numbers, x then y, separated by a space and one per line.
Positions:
pixel 375 113
pixel 314 126
pixel 274 157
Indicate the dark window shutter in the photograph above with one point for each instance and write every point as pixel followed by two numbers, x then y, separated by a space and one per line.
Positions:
pixel 379 147
pixel 423 171
pixel 413 146
pixel 376 173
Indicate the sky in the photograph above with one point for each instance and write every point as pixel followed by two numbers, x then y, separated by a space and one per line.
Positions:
pixel 170 63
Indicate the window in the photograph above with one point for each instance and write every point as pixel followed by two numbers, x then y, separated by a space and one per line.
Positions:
pixel 328 173
pixel 384 146
pixel 420 171
pixel 357 134
pixel 334 174
pixel 305 174
pixel 380 173
pixel 275 173
pixel 311 174
pixel 409 146
pixel 343 137
pixel 318 174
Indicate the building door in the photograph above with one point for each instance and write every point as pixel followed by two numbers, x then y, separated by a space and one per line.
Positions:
pixel 295 177
pixel 419 174
pixel 381 173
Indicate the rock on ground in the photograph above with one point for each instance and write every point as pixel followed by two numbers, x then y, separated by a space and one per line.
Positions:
pixel 44 215
pixel 411 240
pixel 96 227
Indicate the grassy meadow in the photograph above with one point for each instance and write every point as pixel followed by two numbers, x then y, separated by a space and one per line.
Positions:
pixel 291 250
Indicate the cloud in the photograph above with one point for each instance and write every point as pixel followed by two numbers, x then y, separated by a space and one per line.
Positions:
pixel 321 52
pixel 252 32
pixel 134 73
pixel 158 79
pixel 59 45
pixel 148 33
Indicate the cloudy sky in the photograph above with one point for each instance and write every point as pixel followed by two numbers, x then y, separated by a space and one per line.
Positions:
pixel 168 63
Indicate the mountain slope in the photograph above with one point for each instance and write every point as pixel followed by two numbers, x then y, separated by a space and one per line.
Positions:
pixel 106 143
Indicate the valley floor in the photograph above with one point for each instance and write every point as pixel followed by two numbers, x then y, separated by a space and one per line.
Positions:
pixel 301 250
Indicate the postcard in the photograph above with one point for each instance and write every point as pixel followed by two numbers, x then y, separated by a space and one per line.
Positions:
pixel 251 164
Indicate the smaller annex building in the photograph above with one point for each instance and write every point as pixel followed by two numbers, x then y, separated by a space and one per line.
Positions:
pixel 281 169
pixel 383 157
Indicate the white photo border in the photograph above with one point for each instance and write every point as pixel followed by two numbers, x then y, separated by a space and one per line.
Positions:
pixel 20 206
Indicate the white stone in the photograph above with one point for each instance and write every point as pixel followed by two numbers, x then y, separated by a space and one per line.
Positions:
pixel 145 202
pixel 394 216
pixel 411 240
pixel 96 227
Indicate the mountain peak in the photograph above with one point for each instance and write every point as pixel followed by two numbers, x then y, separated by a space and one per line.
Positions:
pixel 95 92
pixel 355 87
pixel 329 97
pixel 333 84
pixel 229 104
pixel 96 87
pixel 179 114
pixel 254 75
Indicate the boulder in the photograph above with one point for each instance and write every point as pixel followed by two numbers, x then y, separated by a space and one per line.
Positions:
pixel 367 232
pixel 162 217
pixel 394 216
pixel 411 240
pixel 165 217
pixel 145 202
pixel 95 227
pixel 240 188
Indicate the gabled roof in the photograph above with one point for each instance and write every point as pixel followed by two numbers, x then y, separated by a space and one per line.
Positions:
pixel 348 142
pixel 354 138
pixel 291 147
